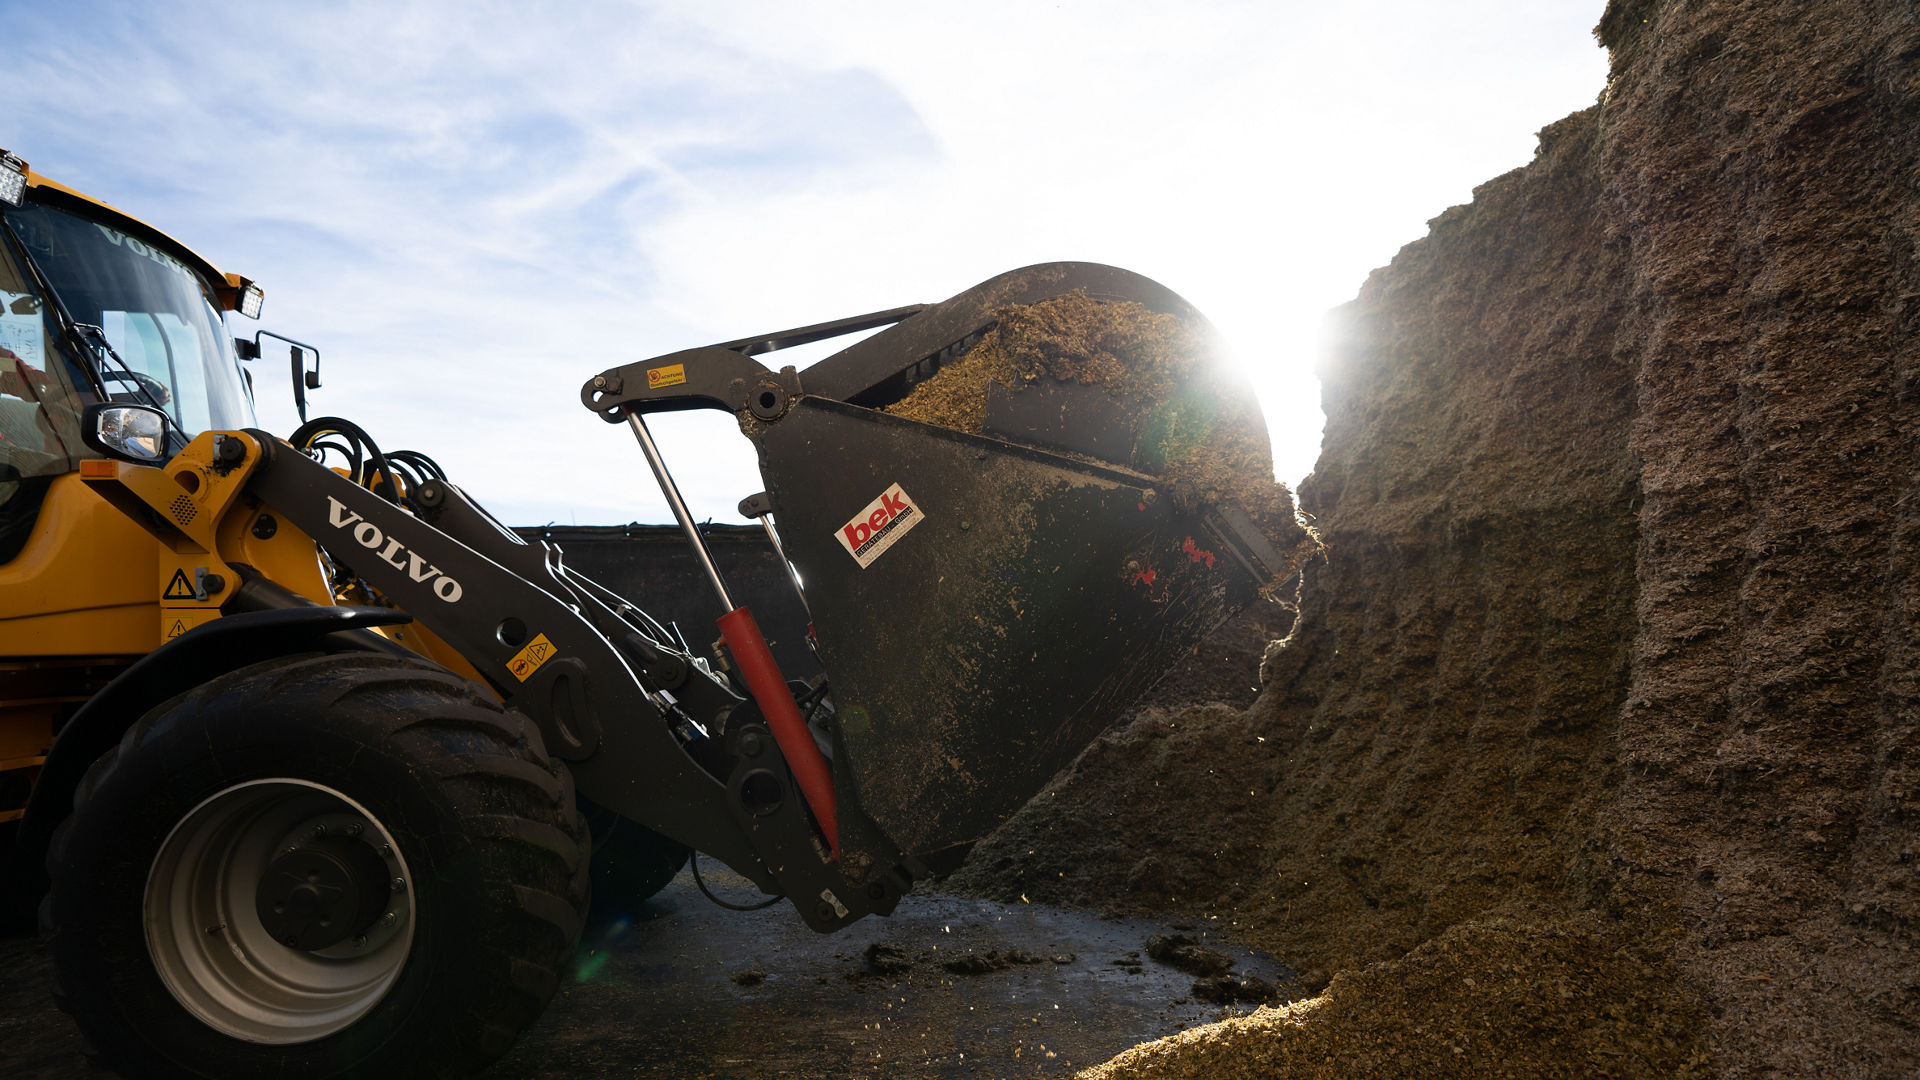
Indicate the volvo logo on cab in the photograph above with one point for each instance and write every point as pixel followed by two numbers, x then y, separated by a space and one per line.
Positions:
pixel 391 551
pixel 874 529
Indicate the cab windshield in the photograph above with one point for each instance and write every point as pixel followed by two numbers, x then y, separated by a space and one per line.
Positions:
pixel 172 346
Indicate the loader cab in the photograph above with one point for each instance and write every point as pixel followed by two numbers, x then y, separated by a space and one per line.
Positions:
pixel 95 306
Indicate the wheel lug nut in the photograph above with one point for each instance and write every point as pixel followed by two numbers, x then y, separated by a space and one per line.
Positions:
pixel 387 920
pixel 399 885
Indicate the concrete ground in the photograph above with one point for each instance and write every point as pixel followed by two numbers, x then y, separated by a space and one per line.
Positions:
pixel 685 989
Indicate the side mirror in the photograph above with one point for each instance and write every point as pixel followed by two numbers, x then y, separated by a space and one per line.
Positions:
pixel 136 433
pixel 303 380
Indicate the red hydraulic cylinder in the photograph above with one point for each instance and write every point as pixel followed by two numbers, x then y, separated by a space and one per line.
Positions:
pixel 770 693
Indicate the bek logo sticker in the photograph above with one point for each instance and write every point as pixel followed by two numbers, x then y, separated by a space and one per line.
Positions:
pixel 874 530
pixel 670 375
pixel 528 660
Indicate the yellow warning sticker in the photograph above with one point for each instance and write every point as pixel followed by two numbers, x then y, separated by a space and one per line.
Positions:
pixel 528 660
pixel 177 621
pixel 670 375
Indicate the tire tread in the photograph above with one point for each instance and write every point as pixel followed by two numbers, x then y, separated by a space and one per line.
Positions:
pixel 489 765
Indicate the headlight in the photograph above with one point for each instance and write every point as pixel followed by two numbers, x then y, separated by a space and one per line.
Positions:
pixel 13 179
pixel 246 298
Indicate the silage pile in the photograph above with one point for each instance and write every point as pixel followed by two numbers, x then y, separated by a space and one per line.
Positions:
pixel 1195 425
pixel 1507 996
pixel 1608 680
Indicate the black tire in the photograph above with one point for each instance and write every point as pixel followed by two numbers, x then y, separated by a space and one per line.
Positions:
pixel 406 759
pixel 631 863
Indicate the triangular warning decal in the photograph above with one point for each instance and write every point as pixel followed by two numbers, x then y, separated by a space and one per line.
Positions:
pixel 178 587
pixel 179 627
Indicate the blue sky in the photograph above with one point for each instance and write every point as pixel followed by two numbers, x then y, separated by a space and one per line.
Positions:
pixel 472 207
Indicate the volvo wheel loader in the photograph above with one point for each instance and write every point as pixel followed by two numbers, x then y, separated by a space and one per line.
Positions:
pixel 305 765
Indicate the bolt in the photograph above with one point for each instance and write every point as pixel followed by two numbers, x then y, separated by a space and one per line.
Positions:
pixel 599 382
pixel 825 911
pixel 319 831
pixel 360 942
pixel 389 919
pixel 229 451
pixel 386 851
pixel 399 885
pixel 751 745
pixel 356 829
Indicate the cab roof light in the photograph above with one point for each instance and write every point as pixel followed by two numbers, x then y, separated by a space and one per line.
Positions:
pixel 245 296
pixel 13 179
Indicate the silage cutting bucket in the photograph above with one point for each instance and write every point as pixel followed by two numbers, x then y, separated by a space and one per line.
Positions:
pixel 984 603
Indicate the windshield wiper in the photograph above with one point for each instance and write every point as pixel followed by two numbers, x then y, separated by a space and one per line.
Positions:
pixel 85 339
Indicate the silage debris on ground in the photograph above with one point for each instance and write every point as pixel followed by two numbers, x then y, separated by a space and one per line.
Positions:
pixel 1198 430
pixel 1532 994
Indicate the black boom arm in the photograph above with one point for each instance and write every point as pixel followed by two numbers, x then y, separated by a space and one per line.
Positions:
pixel 646 732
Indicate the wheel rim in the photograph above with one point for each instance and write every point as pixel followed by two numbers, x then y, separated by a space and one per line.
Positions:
pixel 208 941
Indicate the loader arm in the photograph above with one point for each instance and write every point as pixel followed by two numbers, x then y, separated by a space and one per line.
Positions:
pixel 636 720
